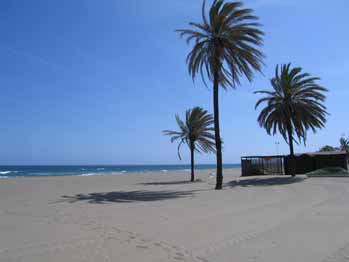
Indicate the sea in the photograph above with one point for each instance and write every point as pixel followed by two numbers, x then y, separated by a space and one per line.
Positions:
pixel 89 170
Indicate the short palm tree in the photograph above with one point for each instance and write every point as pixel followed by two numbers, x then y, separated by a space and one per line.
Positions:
pixel 344 145
pixel 294 106
pixel 195 132
pixel 225 49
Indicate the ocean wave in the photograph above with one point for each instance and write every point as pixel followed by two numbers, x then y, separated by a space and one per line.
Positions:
pixel 91 174
pixel 100 168
pixel 102 174
pixel 7 172
pixel 164 171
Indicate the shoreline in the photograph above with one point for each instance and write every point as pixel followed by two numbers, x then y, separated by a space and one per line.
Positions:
pixel 3 174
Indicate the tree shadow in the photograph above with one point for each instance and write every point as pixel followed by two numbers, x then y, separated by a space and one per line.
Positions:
pixel 184 182
pixel 126 196
pixel 270 181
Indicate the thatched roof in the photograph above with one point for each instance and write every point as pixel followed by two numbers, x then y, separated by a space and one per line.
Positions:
pixel 327 153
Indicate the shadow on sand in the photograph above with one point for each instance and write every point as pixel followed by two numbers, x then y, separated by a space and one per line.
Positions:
pixel 126 196
pixel 269 181
pixel 168 183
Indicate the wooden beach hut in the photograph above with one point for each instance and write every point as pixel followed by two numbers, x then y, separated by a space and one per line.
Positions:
pixel 281 165
pixel 262 165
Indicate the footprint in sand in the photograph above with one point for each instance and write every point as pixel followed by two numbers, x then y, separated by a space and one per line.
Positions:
pixel 202 259
pixel 141 246
pixel 179 258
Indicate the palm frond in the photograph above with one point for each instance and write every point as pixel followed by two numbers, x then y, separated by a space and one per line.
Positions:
pixel 227 41
pixel 196 129
pixel 296 103
pixel 344 144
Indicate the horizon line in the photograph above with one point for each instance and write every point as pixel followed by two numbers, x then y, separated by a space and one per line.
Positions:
pixel 120 164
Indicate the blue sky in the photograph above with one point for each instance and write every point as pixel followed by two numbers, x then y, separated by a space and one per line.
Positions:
pixel 95 82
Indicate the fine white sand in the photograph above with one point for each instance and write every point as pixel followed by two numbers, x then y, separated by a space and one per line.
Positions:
pixel 156 217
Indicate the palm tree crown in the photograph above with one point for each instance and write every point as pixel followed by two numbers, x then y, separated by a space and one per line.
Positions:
pixel 224 50
pixel 344 144
pixel 195 132
pixel 225 43
pixel 294 106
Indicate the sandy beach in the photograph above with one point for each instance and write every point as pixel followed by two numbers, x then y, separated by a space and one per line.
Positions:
pixel 160 217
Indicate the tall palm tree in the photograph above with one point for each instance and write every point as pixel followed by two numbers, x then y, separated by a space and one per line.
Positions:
pixel 225 49
pixel 294 106
pixel 195 132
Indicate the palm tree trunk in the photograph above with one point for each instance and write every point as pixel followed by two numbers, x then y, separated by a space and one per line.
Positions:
pixel 192 177
pixel 218 141
pixel 292 158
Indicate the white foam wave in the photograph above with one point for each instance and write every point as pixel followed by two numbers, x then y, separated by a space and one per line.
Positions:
pixel 102 174
pixel 91 174
pixel 7 172
pixel 164 171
